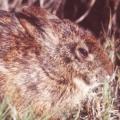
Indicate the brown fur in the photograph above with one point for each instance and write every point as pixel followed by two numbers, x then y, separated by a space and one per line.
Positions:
pixel 41 65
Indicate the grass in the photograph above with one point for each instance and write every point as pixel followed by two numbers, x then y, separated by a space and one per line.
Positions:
pixel 107 101
pixel 8 112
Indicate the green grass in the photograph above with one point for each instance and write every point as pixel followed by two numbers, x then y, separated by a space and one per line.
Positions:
pixel 8 112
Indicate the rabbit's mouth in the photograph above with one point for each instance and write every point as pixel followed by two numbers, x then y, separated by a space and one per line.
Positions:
pixel 85 88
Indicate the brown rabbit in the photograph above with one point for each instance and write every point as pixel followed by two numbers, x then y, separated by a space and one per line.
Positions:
pixel 48 63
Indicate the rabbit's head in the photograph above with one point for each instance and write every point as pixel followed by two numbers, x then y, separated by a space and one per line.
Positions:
pixel 74 56
pixel 69 55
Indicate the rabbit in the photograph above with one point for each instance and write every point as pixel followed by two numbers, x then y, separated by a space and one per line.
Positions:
pixel 48 63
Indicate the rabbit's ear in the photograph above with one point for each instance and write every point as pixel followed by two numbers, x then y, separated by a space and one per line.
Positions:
pixel 38 28
pixel 38 12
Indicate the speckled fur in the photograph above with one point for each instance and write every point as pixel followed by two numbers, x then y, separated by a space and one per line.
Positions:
pixel 39 65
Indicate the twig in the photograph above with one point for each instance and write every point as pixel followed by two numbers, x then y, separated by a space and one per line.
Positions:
pixel 86 13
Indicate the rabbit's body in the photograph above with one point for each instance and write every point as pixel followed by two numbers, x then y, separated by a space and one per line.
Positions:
pixel 48 63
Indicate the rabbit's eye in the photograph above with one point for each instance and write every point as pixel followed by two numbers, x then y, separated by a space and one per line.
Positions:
pixel 83 52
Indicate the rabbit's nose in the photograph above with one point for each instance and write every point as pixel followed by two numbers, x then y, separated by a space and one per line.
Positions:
pixel 109 67
pixel 107 63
